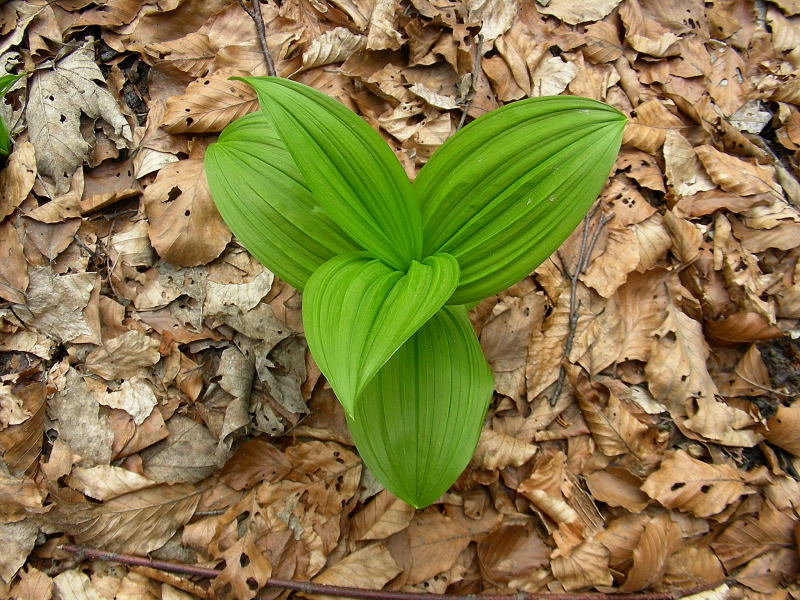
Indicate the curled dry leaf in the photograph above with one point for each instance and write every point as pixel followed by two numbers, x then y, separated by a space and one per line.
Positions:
pixel 511 552
pixel 253 462
pixel 686 238
pixel 782 428
pixel 660 537
pixel 185 227
pixel 135 397
pixel 751 536
pixel 372 567
pixel 105 482
pixel 685 172
pixel 578 11
pixel 333 46
pixel 735 175
pixel 383 516
pixel 209 104
pixel 693 486
pixel 617 487
pixel 13 266
pixel 124 356
pixel 135 523
pixel 743 327
pixel 644 34
pixel 16 179
pixel 586 566
pixel 188 454
pixel 498 451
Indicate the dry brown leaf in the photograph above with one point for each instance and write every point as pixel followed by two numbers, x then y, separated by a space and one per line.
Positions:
pixel 17 178
pixel 693 486
pixel 660 537
pixel 253 462
pixel 495 16
pixel 209 104
pixel 782 428
pixel 498 451
pixel 552 76
pixel 647 129
pixel 686 238
pixel 735 175
pixel 743 327
pixel 383 516
pixel 577 11
pixel 511 552
pixel 136 523
pixel 74 584
pixel 135 396
pixel 336 45
pixel 13 266
pixel 771 572
pixel 684 171
pixel 105 482
pixel 693 565
pixel 618 487
pixel 644 34
pixel 32 584
pixel 188 454
pixel 185 227
pixel 124 356
pixel 372 567
pixel 751 536
pixel 608 271
pixel 586 566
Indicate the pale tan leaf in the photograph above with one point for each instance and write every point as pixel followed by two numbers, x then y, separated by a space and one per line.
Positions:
pixel 782 428
pixel 644 34
pixel 192 54
pixel 618 487
pixel 253 462
pixel 555 508
pixel 32 584
pixel 735 175
pixel 654 242
pixel 552 76
pixel 75 585
pixel 685 172
pixel 495 16
pixel 17 177
pixel 647 129
pixel 372 567
pixel 333 46
pixel 785 36
pixel 686 238
pixel 727 85
pixel 693 486
pixel 608 271
pixel 209 104
pixel 124 356
pixel 135 396
pixel 640 319
pixel 383 31
pixel 105 482
pixel 578 11
pixel 382 517
pixel 586 566
pixel 188 454
pixel 13 266
pixel 185 227
pixel 18 539
pixel 692 565
pixel 498 451
pixel 136 523
pixel 57 99
pixel 770 573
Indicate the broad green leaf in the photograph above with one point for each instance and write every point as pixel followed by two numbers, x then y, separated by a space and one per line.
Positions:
pixel 357 312
pixel 504 192
pixel 350 169
pixel 6 81
pixel 418 421
pixel 263 199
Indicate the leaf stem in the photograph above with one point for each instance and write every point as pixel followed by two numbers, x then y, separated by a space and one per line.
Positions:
pixel 254 13
pixel 308 587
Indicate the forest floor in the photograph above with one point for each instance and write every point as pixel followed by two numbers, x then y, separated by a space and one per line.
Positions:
pixel 156 393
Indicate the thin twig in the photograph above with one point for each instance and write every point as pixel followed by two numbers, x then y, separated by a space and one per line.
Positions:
pixel 589 239
pixel 476 73
pixel 308 587
pixel 254 12
pixel 762 387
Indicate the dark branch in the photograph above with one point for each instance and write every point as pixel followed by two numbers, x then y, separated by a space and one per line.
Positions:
pixel 349 592
pixel 254 11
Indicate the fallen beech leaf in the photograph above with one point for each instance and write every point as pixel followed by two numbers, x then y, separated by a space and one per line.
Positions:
pixel 57 99
pixel 608 271
pixel 498 451
pixel 743 327
pixel 586 566
pixel 253 462
pixel 209 104
pixel 333 46
pixel 383 516
pixel 124 356
pixel 16 179
pixel 135 523
pixel 618 487
pixel 135 397
pixel 105 482
pixel 578 11
pixel 13 266
pixel 751 536
pixel 648 127
pixel 511 552
pixel 187 454
pixel 782 428
pixel 735 175
pixel 686 238
pixel 32 584
pixel 185 227
pixel 685 172
pixel 371 567
pixel 495 16
pixel 693 486
pixel 659 539
pixel 725 82
pixel 644 34
pixel 383 32
pixel 771 572
pixel 692 565
pixel 552 76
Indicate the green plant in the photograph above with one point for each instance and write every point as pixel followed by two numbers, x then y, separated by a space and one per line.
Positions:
pixel 6 81
pixel 389 268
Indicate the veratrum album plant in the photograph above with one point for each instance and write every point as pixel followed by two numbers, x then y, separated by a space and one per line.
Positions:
pixel 388 267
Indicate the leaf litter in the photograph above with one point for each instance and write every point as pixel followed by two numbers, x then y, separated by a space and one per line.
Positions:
pixel 157 395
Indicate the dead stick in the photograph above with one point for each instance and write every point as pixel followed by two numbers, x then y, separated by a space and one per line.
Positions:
pixel 254 12
pixel 349 592
pixel 476 73
pixel 588 243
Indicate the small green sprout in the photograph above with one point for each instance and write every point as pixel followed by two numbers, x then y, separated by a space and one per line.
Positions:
pixel 6 81
pixel 389 267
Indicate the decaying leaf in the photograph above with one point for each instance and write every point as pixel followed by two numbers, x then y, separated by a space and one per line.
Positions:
pixel 209 104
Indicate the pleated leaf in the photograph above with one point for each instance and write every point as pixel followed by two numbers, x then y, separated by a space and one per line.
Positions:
pixel 350 169
pixel 261 195
pixel 357 312
pixel 418 421
pixel 6 81
pixel 505 192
